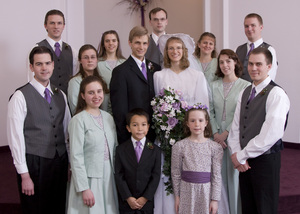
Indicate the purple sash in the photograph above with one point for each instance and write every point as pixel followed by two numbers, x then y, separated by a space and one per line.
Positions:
pixel 195 177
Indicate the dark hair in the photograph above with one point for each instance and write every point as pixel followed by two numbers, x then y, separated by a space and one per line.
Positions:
pixel 53 12
pixel 96 72
pixel 184 62
pixel 255 15
pixel 265 52
pixel 238 68
pixel 101 48
pixel 207 131
pixel 197 52
pixel 39 50
pixel 138 31
pixel 81 104
pixel 155 10
pixel 136 111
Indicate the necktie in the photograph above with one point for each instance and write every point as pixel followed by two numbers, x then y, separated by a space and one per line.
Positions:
pixel 138 150
pixel 252 95
pixel 47 95
pixel 144 70
pixel 251 48
pixel 57 50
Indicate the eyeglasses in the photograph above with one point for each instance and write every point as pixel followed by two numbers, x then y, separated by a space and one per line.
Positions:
pixel 173 49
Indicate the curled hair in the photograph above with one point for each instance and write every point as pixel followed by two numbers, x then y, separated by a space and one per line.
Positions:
pixel 255 15
pixel 136 111
pixel 101 48
pixel 96 72
pixel 138 31
pixel 238 68
pixel 81 104
pixel 265 52
pixel 184 62
pixel 156 10
pixel 207 131
pixel 197 52
pixel 53 12
pixel 39 50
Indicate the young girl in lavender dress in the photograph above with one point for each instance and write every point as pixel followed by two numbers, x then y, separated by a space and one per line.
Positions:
pixel 93 142
pixel 196 166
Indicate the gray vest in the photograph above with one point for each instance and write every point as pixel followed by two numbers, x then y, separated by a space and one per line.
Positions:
pixel 43 125
pixel 252 117
pixel 241 51
pixel 63 66
pixel 153 53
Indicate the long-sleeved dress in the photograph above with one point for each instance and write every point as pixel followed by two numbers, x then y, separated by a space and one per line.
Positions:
pixel 196 157
pixel 221 115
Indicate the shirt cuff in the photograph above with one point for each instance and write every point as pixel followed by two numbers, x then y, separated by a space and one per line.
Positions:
pixel 21 168
pixel 241 157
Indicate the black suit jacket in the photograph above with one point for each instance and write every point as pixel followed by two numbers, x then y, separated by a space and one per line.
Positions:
pixel 135 179
pixel 128 90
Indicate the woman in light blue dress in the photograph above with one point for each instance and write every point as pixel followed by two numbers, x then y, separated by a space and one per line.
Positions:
pixel 225 93
pixel 87 58
pixel 109 54
pixel 93 142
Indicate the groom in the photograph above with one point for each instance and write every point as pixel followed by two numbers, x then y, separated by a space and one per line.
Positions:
pixel 131 84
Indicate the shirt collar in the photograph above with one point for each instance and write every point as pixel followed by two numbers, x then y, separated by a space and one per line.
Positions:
pixel 52 42
pixel 139 62
pixel 142 141
pixel 40 88
pixel 262 85
pixel 256 43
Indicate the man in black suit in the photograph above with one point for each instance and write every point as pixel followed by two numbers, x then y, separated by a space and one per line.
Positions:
pixel 158 19
pixel 137 167
pixel 131 84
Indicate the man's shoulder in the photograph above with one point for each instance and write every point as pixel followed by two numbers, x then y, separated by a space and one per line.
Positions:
pixel 241 46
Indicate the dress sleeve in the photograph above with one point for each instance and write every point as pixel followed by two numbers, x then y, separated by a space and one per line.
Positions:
pixel 176 167
pixel 216 178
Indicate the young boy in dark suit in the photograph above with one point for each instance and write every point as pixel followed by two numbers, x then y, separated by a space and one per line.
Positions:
pixel 137 167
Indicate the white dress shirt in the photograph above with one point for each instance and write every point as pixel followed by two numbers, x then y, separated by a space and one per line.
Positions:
pixel 142 142
pixel 273 71
pixel 277 107
pixel 139 62
pixel 16 114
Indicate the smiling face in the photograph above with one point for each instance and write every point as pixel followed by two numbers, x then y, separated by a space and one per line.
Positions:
pixel 253 29
pixel 138 127
pixel 139 46
pixel 175 51
pixel 93 95
pixel 42 67
pixel 197 123
pixel 206 45
pixel 258 68
pixel 227 65
pixel 55 26
pixel 89 61
pixel 159 22
pixel 111 43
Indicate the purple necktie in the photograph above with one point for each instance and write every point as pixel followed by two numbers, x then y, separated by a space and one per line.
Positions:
pixel 57 49
pixel 138 150
pixel 251 48
pixel 144 70
pixel 252 95
pixel 47 95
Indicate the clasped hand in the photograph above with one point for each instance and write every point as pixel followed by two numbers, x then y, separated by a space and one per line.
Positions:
pixel 237 165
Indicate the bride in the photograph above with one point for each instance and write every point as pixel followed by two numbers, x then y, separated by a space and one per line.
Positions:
pixel 179 76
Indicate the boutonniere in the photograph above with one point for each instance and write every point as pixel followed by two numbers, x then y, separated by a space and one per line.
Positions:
pixel 150 67
pixel 150 145
pixel 55 90
pixel 67 46
pixel 263 91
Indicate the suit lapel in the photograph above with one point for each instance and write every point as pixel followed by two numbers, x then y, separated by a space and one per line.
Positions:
pixel 131 153
pixel 134 67
pixel 146 152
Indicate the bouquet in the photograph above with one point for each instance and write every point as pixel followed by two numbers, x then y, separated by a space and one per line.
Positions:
pixel 168 116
